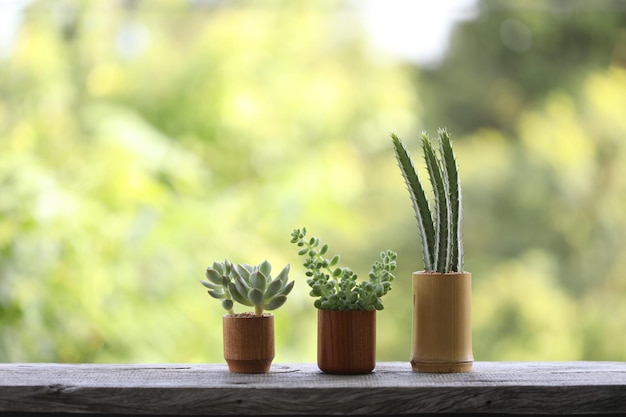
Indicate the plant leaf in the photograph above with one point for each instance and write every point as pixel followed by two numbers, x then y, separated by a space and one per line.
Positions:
pixel 283 275
pixel 219 267
pixel 287 288
pixel 237 296
pixel 210 285
pixel 213 275
pixel 266 268
pixel 217 294
pixel 227 304
pixel 275 303
pixel 255 296
pixel 442 223
pixel 258 280
pixel 418 200
pixel 241 285
pixel 244 270
pixel 456 205
pixel 273 288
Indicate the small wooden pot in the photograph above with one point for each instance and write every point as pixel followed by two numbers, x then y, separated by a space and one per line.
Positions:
pixel 442 326
pixel 248 342
pixel 346 341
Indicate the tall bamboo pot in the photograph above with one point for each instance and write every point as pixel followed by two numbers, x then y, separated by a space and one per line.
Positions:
pixel 346 341
pixel 442 325
pixel 248 342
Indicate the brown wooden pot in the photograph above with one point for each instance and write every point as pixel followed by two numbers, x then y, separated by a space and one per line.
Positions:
pixel 346 341
pixel 442 328
pixel 248 342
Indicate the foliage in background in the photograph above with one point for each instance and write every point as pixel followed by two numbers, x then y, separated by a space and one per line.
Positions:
pixel 139 138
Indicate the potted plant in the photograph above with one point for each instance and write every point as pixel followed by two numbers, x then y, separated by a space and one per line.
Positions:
pixel 442 334
pixel 346 320
pixel 248 336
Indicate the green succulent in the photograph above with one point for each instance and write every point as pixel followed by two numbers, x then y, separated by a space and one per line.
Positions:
pixel 249 285
pixel 336 288
pixel 439 229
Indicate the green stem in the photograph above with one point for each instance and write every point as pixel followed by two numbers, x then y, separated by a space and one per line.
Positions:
pixel 327 268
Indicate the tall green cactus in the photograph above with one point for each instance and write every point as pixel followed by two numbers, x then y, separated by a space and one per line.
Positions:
pixel 439 227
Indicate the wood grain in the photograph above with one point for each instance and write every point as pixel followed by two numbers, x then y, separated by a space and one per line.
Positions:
pixel 346 341
pixel 393 388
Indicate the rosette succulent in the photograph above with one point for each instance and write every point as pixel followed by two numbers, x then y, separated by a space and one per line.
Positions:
pixel 248 285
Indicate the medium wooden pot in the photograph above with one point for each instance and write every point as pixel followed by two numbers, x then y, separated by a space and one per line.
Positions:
pixel 346 341
pixel 442 326
pixel 248 342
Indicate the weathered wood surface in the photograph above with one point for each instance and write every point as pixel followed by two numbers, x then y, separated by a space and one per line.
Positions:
pixel 301 389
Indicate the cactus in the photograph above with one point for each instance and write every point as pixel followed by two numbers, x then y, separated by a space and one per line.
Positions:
pixel 249 285
pixel 439 227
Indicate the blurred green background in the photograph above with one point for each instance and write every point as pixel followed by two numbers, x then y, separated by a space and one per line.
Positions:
pixel 142 140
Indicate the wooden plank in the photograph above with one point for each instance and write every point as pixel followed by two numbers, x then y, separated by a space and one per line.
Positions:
pixel 565 388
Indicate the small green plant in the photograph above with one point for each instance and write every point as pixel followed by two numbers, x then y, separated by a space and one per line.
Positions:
pixel 249 285
pixel 335 287
pixel 439 229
